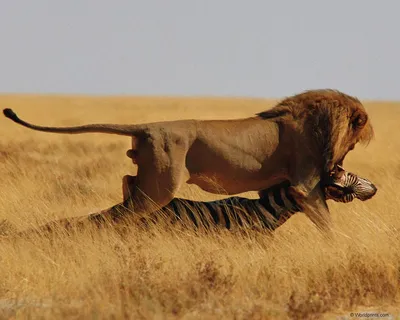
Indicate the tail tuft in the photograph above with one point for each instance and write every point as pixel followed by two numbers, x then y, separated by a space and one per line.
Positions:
pixel 10 114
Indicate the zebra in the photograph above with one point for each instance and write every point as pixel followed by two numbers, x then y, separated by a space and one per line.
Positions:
pixel 275 206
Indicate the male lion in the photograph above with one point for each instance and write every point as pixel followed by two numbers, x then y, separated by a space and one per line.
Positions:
pixel 301 139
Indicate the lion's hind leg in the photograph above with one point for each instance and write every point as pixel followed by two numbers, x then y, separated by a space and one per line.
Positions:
pixel 128 186
pixel 161 169
pixel 157 179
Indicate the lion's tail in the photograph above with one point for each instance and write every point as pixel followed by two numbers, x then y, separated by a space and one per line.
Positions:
pixel 125 130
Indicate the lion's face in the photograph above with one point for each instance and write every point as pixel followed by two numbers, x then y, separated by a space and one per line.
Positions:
pixel 337 120
pixel 358 130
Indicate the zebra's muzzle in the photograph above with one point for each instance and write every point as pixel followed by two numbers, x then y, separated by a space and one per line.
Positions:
pixel 368 192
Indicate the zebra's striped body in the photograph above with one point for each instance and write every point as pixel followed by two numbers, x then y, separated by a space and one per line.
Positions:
pixel 274 207
pixel 268 212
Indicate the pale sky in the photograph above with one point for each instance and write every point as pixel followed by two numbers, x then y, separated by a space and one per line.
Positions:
pixel 205 47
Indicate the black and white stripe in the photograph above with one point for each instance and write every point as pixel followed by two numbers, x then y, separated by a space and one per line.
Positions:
pixel 274 207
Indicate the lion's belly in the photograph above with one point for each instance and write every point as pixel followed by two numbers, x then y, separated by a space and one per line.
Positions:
pixel 223 185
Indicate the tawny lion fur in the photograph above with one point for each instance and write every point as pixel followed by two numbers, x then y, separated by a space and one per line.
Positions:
pixel 301 139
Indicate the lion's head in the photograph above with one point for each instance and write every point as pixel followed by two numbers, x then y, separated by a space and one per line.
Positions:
pixel 330 122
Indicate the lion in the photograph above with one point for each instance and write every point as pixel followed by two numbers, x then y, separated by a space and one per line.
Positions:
pixel 301 139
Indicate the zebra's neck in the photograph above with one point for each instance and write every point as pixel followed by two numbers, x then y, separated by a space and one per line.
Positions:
pixel 277 200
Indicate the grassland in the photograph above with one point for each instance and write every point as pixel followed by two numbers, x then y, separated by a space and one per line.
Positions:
pixel 167 273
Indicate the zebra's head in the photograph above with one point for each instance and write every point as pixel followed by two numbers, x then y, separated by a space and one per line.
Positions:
pixel 343 186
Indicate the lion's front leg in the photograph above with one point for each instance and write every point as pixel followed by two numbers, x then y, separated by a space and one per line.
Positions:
pixel 308 193
pixel 314 206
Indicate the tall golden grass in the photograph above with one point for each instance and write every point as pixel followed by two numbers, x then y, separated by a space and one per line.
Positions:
pixel 166 273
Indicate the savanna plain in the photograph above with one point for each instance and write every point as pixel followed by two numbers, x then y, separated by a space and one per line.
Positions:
pixel 165 272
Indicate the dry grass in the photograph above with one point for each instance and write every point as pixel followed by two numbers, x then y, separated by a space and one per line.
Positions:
pixel 165 273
